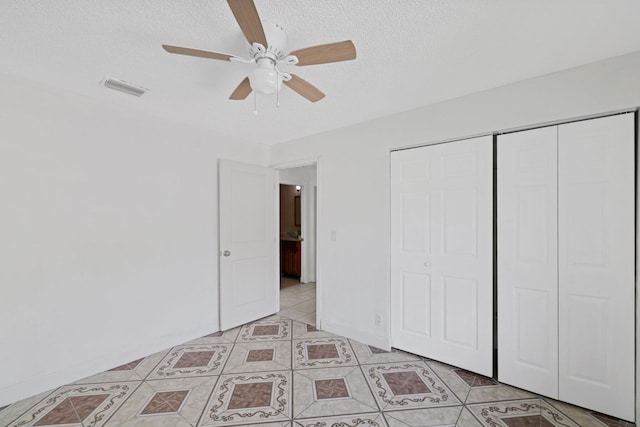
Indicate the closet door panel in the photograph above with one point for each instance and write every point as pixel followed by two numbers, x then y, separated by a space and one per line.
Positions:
pixel 441 253
pixel 527 260
pixel 596 264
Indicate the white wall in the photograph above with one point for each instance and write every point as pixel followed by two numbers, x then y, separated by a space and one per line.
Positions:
pixel 355 267
pixel 108 235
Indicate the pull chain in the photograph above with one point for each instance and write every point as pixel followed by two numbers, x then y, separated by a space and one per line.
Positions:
pixel 277 88
pixel 255 103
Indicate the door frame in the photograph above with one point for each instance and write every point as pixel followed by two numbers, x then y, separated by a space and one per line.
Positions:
pixel 317 161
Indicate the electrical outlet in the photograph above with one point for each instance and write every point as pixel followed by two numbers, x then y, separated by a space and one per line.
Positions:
pixel 378 319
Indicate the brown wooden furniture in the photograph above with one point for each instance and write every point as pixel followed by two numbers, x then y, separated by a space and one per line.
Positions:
pixel 290 260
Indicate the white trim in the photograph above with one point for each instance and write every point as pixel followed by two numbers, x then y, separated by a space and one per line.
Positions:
pixel 319 224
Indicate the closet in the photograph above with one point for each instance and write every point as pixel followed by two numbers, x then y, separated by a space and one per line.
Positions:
pixel 566 262
pixel 442 252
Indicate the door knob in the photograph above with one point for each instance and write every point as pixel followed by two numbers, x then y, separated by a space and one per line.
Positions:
pixel 427 263
pixel 226 253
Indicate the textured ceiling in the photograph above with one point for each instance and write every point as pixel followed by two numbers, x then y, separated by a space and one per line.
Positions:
pixel 410 53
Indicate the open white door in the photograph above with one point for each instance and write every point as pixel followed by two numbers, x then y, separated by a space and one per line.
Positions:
pixel 248 244
pixel 442 252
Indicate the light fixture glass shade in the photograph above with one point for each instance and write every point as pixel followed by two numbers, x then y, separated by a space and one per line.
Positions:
pixel 265 80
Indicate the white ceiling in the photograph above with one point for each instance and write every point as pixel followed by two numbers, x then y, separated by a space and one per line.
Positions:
pixel 410 53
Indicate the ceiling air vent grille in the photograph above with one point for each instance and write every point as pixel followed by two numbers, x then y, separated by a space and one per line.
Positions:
pixel 122 86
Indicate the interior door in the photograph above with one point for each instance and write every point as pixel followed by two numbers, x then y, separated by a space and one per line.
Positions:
pixel 441 252
pixel 596 264
pixel 527 212
pixel 248 244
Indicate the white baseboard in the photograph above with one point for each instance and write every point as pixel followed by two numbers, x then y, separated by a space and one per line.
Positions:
pixel 350 332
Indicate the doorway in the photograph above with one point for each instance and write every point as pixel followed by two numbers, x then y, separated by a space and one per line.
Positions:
pixel 298 195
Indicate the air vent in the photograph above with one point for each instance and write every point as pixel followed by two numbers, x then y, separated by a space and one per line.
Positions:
pixel 122 86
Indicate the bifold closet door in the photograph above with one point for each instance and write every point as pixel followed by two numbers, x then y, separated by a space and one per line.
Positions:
pixel 441 252
pixel 566 262
pixel 528 260
pixel 596 264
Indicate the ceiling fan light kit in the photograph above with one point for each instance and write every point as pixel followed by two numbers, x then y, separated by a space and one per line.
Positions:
pixel 267 47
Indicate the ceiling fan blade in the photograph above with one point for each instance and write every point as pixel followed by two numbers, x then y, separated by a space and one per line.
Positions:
pixel 304 88
pixel 195 52
pixel 242 91
pixel 326 53
pixel 247 16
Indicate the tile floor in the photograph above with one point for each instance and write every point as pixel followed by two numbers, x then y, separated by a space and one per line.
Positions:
pixel 298 300
pixel 279 372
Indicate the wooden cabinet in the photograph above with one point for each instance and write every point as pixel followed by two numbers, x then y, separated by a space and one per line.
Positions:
pixel 290 260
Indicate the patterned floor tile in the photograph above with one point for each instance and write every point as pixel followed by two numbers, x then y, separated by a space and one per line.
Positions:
pixel 192 361
pixel 496 393
pixel 249 398
pixel 322 353
pixel 522 413
pixel 407 385
pixel 360 420
pixel 367 354
pixel 131 371
pixel 83 404
pixel 259 357
pixel 587 418
pixel 331 391
pixel 425 417
pixel 16 409
pixel 467 419
pixel 306 331
pixel 451 379
pixel 229 336
pixel 173 402
pixel 265 330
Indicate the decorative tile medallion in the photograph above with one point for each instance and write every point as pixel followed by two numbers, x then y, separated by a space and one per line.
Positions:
pixel 87 405
pixel 331 391
pixel 192 360
pixel 128 366
pixel 334 388
pixel 249 398
pixel 73 409
pixel 165 402
pixel 408 385
pixel 262 355
pixel 322 352
pixel 251 395
pixel 527 421
pixel 522 413
pixel 266 330
pixel 262 330
pixel 405 383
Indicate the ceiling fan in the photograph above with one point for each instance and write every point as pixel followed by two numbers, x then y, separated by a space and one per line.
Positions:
pixel 267 44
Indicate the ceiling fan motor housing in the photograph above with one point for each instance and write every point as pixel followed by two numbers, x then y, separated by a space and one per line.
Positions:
pixel 277 39
pixel 265 78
